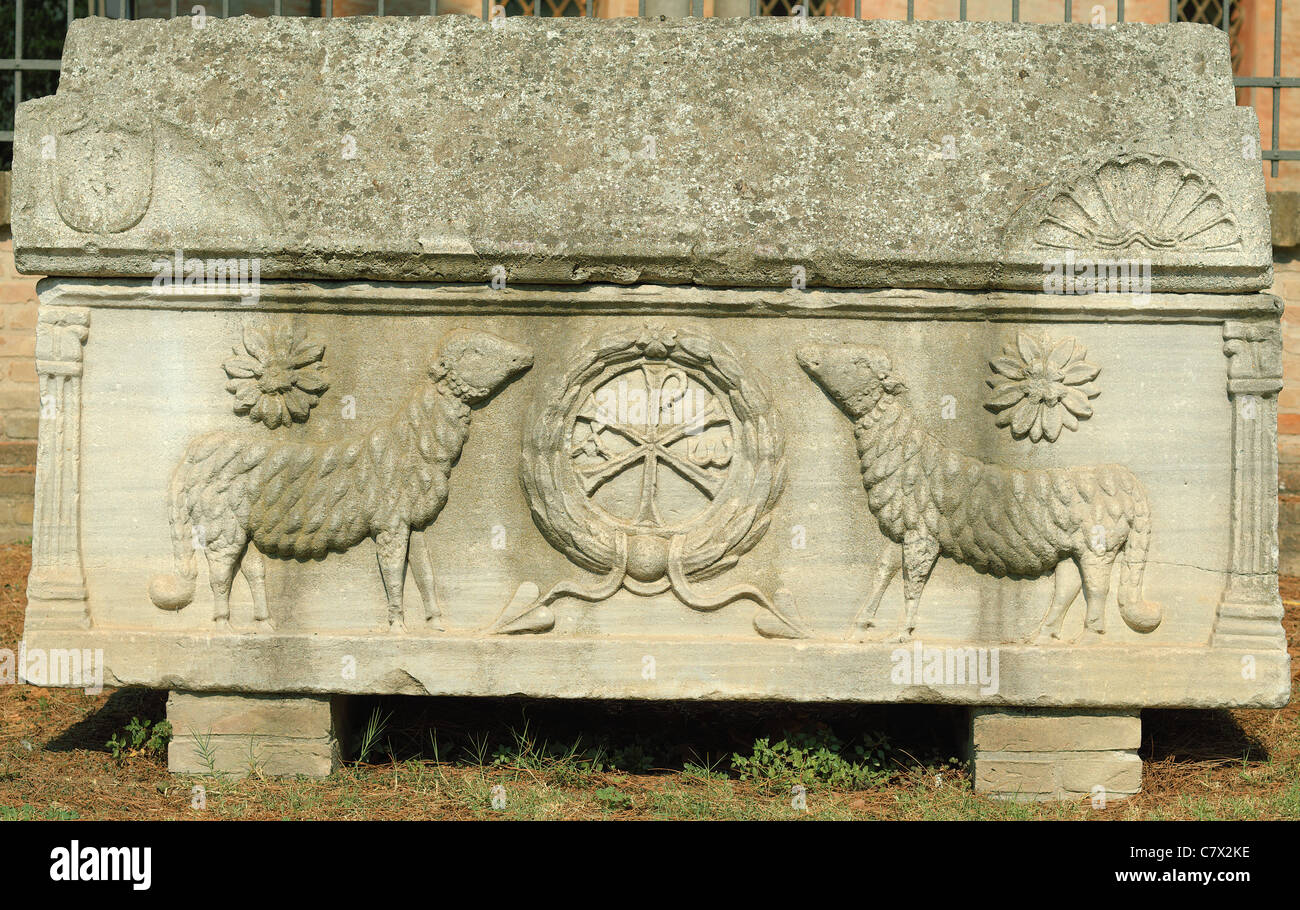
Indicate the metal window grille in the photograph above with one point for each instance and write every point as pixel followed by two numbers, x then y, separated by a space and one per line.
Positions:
pixel 787 7
pixel 1213 12
pixel 38 26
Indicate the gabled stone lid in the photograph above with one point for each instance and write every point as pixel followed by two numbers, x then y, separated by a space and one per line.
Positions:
pixel 720 152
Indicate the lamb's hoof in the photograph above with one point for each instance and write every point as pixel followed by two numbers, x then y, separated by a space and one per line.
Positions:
pixel 434 623
pixel 265 624
pixel 902 637
pixel 525 614
pixel 397 626
pixel 222 624
pixel 860 632
pixel 1045 637
pixel 1090 637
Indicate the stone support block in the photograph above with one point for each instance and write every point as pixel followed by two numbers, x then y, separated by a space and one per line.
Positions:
pixel 251 734
pixel 1036 754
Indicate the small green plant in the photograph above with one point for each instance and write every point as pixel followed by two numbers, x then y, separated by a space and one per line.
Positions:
pixel 702 770
pixel 372 734
pixel 478 749
pixel 206 751
pixel 141 737
pixel 254 762
pixel 634 758
pixel 27 813
pixel 816 759
pixel 613 799
pixel 558 764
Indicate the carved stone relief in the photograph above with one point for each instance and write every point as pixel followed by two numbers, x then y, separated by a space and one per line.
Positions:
pixel 1250 613
pixel 106 155
pixel 57 581
pixel 1135 202
pixel 276 377
pixel 103 167
pixel 930 501
pixel 1041 385
pixel 237 497
pixel 655 464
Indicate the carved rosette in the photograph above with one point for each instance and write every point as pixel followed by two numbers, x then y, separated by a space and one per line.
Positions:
pixel 655 463
pixel 56 588
pixel 1250 613
pixel 276 377
pixel 1041 385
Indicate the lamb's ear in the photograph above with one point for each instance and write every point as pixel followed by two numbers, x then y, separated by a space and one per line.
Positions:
pixel 893 385
pixel 439 368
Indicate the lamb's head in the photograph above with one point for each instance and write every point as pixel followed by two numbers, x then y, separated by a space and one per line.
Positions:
pixel 476 365
pixel 855 376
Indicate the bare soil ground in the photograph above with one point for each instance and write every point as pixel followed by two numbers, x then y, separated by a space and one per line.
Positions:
pixel 442 758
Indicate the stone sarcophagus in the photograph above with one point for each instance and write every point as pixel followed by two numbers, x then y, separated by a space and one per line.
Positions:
pixel 724 359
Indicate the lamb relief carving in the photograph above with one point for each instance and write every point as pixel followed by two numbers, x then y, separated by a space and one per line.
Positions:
pixel 239 497
pixel 931 502
pixel 655 464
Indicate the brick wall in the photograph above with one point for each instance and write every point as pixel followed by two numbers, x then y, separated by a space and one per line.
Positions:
pixel 1286 284
pixel 19 395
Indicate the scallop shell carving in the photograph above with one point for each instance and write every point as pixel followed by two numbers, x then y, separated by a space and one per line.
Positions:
pixel 1144 201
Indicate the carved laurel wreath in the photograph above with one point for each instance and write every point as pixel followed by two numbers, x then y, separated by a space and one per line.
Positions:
pixel 710 542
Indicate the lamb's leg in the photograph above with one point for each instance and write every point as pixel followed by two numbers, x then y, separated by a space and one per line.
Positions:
pixel 1095 571
pixel 422 569
pixel 888 561
pixel 254 569
pixel 223 562
pixel 920 552
pixel 1066 588
pixel 392 547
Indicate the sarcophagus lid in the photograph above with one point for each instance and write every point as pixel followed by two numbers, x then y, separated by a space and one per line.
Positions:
pixel 714 152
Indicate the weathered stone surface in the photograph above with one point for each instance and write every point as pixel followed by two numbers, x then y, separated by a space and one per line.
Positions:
pixel 1005 731
pixel 1061 501
pixel 1117 773
pixel 712 151
pixel 251 734
pixel 1037 776
pixel 1034 754
pixel 757 592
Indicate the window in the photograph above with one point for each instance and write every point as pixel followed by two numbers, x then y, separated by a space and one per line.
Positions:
pixel 1211 13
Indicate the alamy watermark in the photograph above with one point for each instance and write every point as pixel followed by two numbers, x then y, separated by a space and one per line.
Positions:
pixel 190 275
pixel 921 666
pixel 75 863
pixel 53 667
pixel 1069 275
pixel 623 404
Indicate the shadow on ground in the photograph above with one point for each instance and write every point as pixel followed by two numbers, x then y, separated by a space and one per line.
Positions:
pixel 1196 735
pixel 655 736
pixel 94 730
pixel 647 736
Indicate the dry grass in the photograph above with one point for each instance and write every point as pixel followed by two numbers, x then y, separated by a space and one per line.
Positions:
pixel 54 762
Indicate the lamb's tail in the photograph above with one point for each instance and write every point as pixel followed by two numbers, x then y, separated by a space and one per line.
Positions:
pixel 1138 614
pixel 171 591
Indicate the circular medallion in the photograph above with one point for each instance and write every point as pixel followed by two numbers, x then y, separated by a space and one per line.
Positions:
pixel 654 451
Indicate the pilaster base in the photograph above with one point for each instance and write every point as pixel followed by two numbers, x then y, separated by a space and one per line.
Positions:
pixel 1250 626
